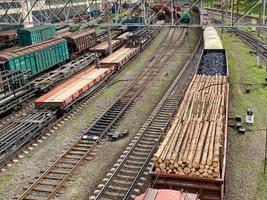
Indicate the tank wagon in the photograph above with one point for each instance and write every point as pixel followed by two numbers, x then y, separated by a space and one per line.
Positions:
pixel 36 34
pixel 192 156
pixel 36 58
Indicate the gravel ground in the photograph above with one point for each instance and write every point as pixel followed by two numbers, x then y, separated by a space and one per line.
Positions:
pixel 14 179
pixel 90 175
pixel 245 153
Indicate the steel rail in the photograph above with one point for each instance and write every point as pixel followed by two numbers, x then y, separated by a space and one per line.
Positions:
pixel 112 114
pixel 157 119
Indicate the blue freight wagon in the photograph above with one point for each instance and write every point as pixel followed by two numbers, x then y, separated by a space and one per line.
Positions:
pixel 36 58
pixel 36 34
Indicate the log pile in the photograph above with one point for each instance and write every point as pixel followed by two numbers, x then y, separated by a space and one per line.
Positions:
pixel 192 144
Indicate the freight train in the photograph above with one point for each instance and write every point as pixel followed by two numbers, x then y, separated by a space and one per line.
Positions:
pixel 40 57
pixel 8 38
pixel 192 157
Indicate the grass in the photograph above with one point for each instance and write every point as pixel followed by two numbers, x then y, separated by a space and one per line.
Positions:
pixel 243 6
pixel 245 152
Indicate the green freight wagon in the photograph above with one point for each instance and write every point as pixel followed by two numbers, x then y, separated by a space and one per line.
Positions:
pixel 36 34
pixel 185 17
pixel 36 58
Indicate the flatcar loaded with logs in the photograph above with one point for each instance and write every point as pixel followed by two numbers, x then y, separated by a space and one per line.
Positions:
pixel 192 155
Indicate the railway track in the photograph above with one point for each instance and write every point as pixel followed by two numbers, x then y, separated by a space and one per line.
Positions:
pixel 249 39
pixel 126 179
pixel 44 82
pixel 49 183
pixel 36 128
pixel 252 41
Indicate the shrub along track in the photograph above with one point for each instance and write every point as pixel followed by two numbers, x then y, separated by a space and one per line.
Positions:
pixel 49 183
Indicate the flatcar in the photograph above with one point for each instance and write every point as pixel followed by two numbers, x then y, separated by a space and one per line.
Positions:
pixel 139 37
pixel 164 194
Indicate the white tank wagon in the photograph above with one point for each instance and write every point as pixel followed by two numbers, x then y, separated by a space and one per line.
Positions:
pixel 212 39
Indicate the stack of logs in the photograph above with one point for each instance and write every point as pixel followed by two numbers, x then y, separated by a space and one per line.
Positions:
pixel 192 144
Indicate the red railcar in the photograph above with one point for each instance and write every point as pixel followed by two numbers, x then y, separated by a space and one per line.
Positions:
pixel 81 41
pixel 119 57
pixel 67 93
pixel 154 194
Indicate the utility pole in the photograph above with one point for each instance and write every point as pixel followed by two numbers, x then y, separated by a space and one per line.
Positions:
pixel 263 13
pixel 259 32
pixel 232 12
pixel 172 13
pixel 109 41
pixel 265 155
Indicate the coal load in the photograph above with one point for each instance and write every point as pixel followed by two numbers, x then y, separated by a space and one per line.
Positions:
pixel 213 63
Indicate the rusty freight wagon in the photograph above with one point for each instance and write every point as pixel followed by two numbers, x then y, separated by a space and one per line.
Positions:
pixel 81 41
pixel 75 88
pixel 8 38
pixel 192 155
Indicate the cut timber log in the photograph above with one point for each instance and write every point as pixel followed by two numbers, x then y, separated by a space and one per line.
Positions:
pixel 192 144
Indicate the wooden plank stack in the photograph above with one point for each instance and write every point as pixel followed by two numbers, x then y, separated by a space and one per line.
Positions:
pixel 192 144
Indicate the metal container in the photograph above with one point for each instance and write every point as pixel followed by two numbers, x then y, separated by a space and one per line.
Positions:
pixel 36 34
pixel 36 58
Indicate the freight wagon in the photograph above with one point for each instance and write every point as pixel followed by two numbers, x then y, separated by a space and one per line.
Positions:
pixel 63 96
pixel 36 58
pixel 67 94
pixel 192 156
pixel 8 38
pixel 36 34
pixel 82 41
pixel 154 194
